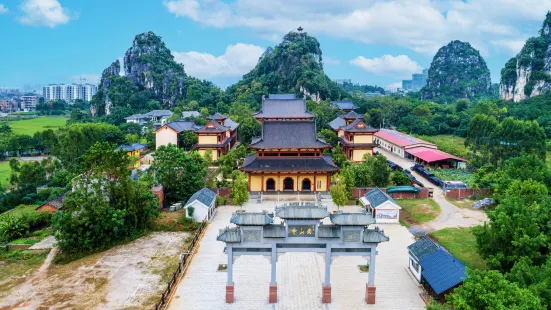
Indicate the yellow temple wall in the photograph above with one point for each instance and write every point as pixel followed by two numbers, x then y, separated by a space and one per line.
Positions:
pixel 320 184
pixel 207 140
pixel 358 155
pixel 214 153
pixel 363 138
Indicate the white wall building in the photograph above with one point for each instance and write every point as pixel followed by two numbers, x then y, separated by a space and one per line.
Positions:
pixel 203 204
pixel 28 103
pixel 69 92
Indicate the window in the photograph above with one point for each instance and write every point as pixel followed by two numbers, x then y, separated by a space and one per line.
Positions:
pixel 319 184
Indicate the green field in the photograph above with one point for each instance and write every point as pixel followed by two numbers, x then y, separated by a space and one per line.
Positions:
pixel 454 175
pixel 450 144
pixel 418 211
pixel 21 209
pixel 41 123
pixel 4 174
pixel 462 244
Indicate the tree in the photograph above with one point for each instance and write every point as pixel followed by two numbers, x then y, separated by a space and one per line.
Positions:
pixel 177 115
pixel 106 205
pixel 479 131
pixel 240 191
pixel 490 290
pixel 207 157
pixel 181 173
pixel 131 138
pixel 338 191
pixel 535 278
pixel 375 117
pixel 518 227
pixel 400 178
pixel 339 158
pixel 248 129
pixel 27 175
pixel 187 139
pixel 329 136
pixel 379 170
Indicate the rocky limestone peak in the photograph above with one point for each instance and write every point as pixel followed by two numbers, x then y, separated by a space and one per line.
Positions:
pixel 528 74
pixel 457 71
pixel 106 77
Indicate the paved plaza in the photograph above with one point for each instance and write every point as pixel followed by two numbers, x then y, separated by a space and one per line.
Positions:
pixel 299 275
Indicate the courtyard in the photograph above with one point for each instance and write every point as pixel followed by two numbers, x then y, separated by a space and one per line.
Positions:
pixel 299 275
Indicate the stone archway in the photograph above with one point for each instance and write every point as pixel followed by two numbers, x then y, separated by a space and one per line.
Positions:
pixel 270 185
pixel 306 185
pixel 288 184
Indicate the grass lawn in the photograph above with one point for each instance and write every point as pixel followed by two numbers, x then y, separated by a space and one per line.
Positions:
pixel 462 244
pixel 41 123
pixel 418 211
pixel 5 172
pixel 450 144
pixel 22 209
pixel 16 266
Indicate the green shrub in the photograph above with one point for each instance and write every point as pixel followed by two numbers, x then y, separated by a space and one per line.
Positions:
pixel 190 211
pixel 12 227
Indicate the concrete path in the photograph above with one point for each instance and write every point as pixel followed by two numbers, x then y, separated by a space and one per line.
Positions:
pixel 450 215
pixel 46 243
pixel 299 275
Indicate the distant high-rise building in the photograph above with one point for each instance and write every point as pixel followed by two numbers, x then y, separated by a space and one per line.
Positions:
pixel 69 92
pixel 28 103
pixel 418 80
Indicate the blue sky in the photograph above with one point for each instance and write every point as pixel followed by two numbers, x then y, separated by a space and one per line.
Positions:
pixel 371 42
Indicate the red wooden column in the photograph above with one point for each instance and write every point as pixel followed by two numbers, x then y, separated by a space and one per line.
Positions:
pixel 328 180
pixel 278 184
pixel 249 185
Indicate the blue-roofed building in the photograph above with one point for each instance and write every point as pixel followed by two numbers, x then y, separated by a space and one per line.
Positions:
pixel 434 267
pixel 344 105
pixel 203 203
pixel 381 206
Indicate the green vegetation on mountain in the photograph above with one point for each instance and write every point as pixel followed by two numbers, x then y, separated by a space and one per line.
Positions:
pixel 457 71
pixel 294 66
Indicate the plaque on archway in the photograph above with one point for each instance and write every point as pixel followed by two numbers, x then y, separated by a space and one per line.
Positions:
pixel 301 229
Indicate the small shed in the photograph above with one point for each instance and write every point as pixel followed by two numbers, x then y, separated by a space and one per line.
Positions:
pixel 52 205
pixel 435 267
pixel 381 206
pixel 203 203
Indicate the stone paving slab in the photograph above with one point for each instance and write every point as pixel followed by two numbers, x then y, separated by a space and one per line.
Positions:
pixel 46 243
pixel 299 275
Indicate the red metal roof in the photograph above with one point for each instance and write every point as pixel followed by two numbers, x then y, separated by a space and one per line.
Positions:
pixel 399 139
pixel 431 155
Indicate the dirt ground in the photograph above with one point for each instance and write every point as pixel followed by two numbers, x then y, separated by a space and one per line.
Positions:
pixel 130 276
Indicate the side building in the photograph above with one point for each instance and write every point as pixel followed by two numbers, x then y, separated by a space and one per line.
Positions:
pixel 289 155
pixel 356 138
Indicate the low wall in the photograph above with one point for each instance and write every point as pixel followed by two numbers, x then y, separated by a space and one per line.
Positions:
pixel 460 193
pixel 222 191
pixel 19 246
pixel 361 191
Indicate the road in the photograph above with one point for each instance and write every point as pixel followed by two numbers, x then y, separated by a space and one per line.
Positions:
pixel 450 215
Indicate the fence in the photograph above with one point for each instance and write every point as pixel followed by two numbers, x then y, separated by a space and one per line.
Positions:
pixel 185 260
pixel 222 191
pixel 460 193
pixel 361 191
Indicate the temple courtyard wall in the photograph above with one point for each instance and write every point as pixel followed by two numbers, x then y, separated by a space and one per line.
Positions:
pixel 299 275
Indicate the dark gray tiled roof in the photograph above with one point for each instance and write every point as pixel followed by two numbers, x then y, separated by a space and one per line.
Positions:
pixel 56 202
pixel 131 147
pixel 301 212
pixel 376 197
pixel 204 195
pixel 324 163
pixel 344 105
pixel 229 235
pixel 337 123
pixel 352 115
pixel 351 126
pixel 255 139
pixel 282 96
pixel 180 126
pixel 217 116
pixel 229 123
pixel 190 114
pixel 283 108
pixel 274 231
pixel 352 219
pixel 158 113
pixel 375 236
pixel 252 218
pixel 442 270
pixel 135 116
pixel 289 134
pixel 329 231
pixel 423 247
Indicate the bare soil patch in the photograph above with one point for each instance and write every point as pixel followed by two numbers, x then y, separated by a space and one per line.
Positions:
pixel 127 276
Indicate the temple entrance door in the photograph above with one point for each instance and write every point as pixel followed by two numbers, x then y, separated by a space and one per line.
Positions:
pixel 306 185
pixel 288 184
pixel 270 185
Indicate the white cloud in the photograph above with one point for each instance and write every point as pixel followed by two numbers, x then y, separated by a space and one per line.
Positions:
pixel 237 60
pixel 419 25
pixel 3 8
pixel 393 87
pixel 510 46
pixel 330 60
pixel 48 13
pixel 399 66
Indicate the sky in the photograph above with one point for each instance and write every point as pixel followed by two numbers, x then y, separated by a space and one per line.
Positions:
pixel 377 42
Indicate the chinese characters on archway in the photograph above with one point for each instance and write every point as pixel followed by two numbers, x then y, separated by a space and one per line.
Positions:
pixel 302 231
